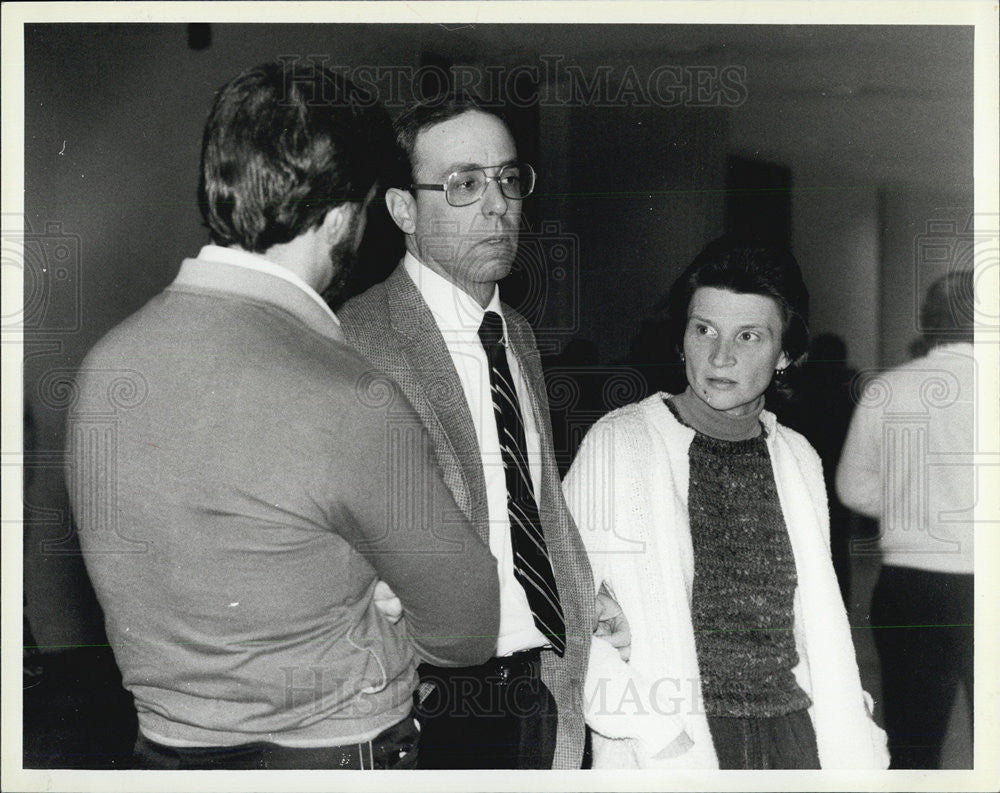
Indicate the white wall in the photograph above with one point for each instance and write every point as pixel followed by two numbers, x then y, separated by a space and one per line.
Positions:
pixel 836 241
pixel 924 236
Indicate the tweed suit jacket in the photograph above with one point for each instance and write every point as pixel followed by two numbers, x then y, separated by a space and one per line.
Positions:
pixel 392 326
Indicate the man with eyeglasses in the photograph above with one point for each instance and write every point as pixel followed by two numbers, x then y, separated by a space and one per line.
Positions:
pixel 470 366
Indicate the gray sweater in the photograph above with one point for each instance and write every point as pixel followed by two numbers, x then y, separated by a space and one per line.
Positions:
pixel 237 482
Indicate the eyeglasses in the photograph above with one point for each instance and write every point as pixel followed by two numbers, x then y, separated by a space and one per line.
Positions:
pixel 515 180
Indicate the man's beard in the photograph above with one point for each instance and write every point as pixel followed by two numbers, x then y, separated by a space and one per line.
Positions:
pixel 343 258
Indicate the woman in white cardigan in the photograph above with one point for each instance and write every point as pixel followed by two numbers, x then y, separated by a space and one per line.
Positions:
pixel 708 521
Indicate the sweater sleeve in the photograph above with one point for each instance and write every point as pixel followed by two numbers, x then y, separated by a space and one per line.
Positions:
pixel 859 476
pixel 624 704
pixel 589 496
pixel 620 702
pixel 393 506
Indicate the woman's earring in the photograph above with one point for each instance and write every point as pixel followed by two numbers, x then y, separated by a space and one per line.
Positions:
pixel 779 372
pixel 682 357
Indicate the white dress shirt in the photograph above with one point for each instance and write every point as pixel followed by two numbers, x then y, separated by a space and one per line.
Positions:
pixel 458 317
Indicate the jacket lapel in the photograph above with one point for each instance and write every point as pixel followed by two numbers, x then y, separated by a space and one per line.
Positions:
pixel 437 395
pixel 569 557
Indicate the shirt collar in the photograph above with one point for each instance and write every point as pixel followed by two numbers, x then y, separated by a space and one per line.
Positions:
pixel 717 423
pixel 457 314
pixel 261 264
pixel 950 347
pixel 240 274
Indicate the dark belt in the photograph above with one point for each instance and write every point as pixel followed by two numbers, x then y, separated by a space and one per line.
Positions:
pixel 500 671
pixel 394 747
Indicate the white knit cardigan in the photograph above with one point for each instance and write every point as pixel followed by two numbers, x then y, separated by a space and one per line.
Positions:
pixel 628 491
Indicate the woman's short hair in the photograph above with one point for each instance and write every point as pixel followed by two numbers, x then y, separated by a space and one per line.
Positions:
pixel 283 144
pixel 746 267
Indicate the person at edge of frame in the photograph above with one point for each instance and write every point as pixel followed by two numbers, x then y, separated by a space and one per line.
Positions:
pixel 908 461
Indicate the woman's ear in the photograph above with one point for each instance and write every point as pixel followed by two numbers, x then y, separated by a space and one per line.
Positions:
pixel 783 361
pixel 402 207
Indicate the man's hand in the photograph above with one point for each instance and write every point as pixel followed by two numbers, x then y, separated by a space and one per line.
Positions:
pixel 612 626
pixel 387 602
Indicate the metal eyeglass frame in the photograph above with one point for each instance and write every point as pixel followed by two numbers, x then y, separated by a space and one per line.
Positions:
pixel 525 167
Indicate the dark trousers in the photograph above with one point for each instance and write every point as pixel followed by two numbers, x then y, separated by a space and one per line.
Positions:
pixel 394 748
pixel 497 715
pixel 922 626
pixel 764 743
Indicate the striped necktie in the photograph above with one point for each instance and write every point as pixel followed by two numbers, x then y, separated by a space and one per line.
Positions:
pixel 532 567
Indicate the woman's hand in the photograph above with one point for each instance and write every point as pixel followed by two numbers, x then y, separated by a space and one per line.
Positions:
pixel 675 748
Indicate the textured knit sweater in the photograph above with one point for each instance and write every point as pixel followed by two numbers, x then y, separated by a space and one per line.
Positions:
pixel 239 485
pixel 628 491
pixel 744 574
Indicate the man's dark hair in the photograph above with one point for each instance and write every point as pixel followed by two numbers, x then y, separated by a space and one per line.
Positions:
pixel 425 114
pixel 746 267
pixel 284 144
pixel 948 311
